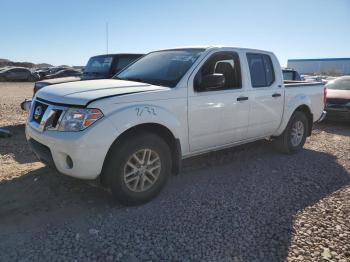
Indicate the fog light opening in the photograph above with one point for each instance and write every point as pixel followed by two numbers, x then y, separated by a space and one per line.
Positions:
pixel 69 162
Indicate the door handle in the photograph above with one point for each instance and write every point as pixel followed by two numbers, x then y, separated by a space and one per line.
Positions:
pixel 242 98
pixel 276 95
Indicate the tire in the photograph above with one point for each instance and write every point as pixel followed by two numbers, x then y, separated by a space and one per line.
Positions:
pixel 291 141
pixel 121 177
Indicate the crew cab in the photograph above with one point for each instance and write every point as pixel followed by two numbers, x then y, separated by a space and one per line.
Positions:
pixel 98 67
pixel 133 130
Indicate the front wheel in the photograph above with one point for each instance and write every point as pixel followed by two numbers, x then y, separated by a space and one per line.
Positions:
pixel 138 168
pixel 294 136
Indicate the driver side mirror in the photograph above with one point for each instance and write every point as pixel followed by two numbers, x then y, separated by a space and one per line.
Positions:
pixel 214 81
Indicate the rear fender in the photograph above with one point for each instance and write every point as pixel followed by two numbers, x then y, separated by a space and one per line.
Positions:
pixel 289 109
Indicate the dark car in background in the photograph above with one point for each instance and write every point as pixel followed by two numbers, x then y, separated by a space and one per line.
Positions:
pixel 290 74
pixel 64 73
pixel 338 99
pixel 16 74
pixel 98 67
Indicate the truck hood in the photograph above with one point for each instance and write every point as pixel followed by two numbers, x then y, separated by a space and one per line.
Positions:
pixel 83 92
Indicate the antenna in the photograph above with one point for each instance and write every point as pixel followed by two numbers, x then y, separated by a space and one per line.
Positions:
pixel 107 38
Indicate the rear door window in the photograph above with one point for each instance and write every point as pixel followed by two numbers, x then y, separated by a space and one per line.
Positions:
pixel 261 70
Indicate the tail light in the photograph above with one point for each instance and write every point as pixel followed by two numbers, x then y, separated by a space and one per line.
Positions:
pixel 325 96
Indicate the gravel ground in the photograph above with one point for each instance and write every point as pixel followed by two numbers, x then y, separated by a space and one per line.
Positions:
pixel 243 204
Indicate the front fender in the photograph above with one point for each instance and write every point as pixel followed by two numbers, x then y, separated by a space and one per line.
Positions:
pixel 133 115
pixel 291 105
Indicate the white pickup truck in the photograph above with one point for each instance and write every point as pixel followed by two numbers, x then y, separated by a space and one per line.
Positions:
pixel 134 130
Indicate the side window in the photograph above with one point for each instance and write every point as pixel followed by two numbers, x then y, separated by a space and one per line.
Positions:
pixel 222 63
pixel 261 70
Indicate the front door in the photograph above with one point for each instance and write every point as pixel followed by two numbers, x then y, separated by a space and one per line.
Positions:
pixel 218 116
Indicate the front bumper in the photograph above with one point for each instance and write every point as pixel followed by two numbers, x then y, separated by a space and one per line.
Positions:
pixel 339 114
pixel 77 154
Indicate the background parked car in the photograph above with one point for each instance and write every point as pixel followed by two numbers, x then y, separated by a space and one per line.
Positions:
pixel 291 75
pixel 42 72
pixel 338 99
pixel 16 74
pixel 98 67
pixel 64 73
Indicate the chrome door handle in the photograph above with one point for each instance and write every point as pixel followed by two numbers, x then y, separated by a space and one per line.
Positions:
pixel 242 98
pixel 276 95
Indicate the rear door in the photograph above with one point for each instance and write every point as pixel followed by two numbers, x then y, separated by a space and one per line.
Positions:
pixel 217 117
pixel 266 93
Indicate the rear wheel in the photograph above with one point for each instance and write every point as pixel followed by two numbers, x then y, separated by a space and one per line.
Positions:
pixel 138 168
pixel 294 136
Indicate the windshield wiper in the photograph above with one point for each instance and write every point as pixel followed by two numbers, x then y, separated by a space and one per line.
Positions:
pixel 146 81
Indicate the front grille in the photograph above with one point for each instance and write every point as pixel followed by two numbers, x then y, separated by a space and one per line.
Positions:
pixel 39 111
pixel 56 117
pixel 45 116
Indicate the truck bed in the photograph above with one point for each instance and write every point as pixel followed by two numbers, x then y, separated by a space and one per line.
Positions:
pixel 289 83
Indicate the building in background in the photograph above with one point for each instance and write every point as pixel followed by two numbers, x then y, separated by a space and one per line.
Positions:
pixel 324 66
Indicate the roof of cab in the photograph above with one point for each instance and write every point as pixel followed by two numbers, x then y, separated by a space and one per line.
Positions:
pixel 119 54
pixel 208 47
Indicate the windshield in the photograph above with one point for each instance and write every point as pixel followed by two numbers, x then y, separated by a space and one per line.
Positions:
pixel 340 84
pixel 164 68
pixel 99 64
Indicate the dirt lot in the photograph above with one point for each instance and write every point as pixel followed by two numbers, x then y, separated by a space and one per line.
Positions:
pixel 244 204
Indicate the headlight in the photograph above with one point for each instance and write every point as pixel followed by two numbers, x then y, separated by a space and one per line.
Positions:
pixel 77 119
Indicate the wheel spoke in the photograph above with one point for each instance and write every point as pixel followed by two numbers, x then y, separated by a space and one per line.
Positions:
pixel 131 165
pixel 136 183
pixel 136 157
pixel 142 184
pixel 151 162
pixel 131 179
pixel 153 168
pixel 148 161
pixel 130 173
pixel 148 179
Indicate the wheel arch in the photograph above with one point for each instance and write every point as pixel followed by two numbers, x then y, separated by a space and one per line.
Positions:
pixel 306 110
pixel 289 111
pixel 155 128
